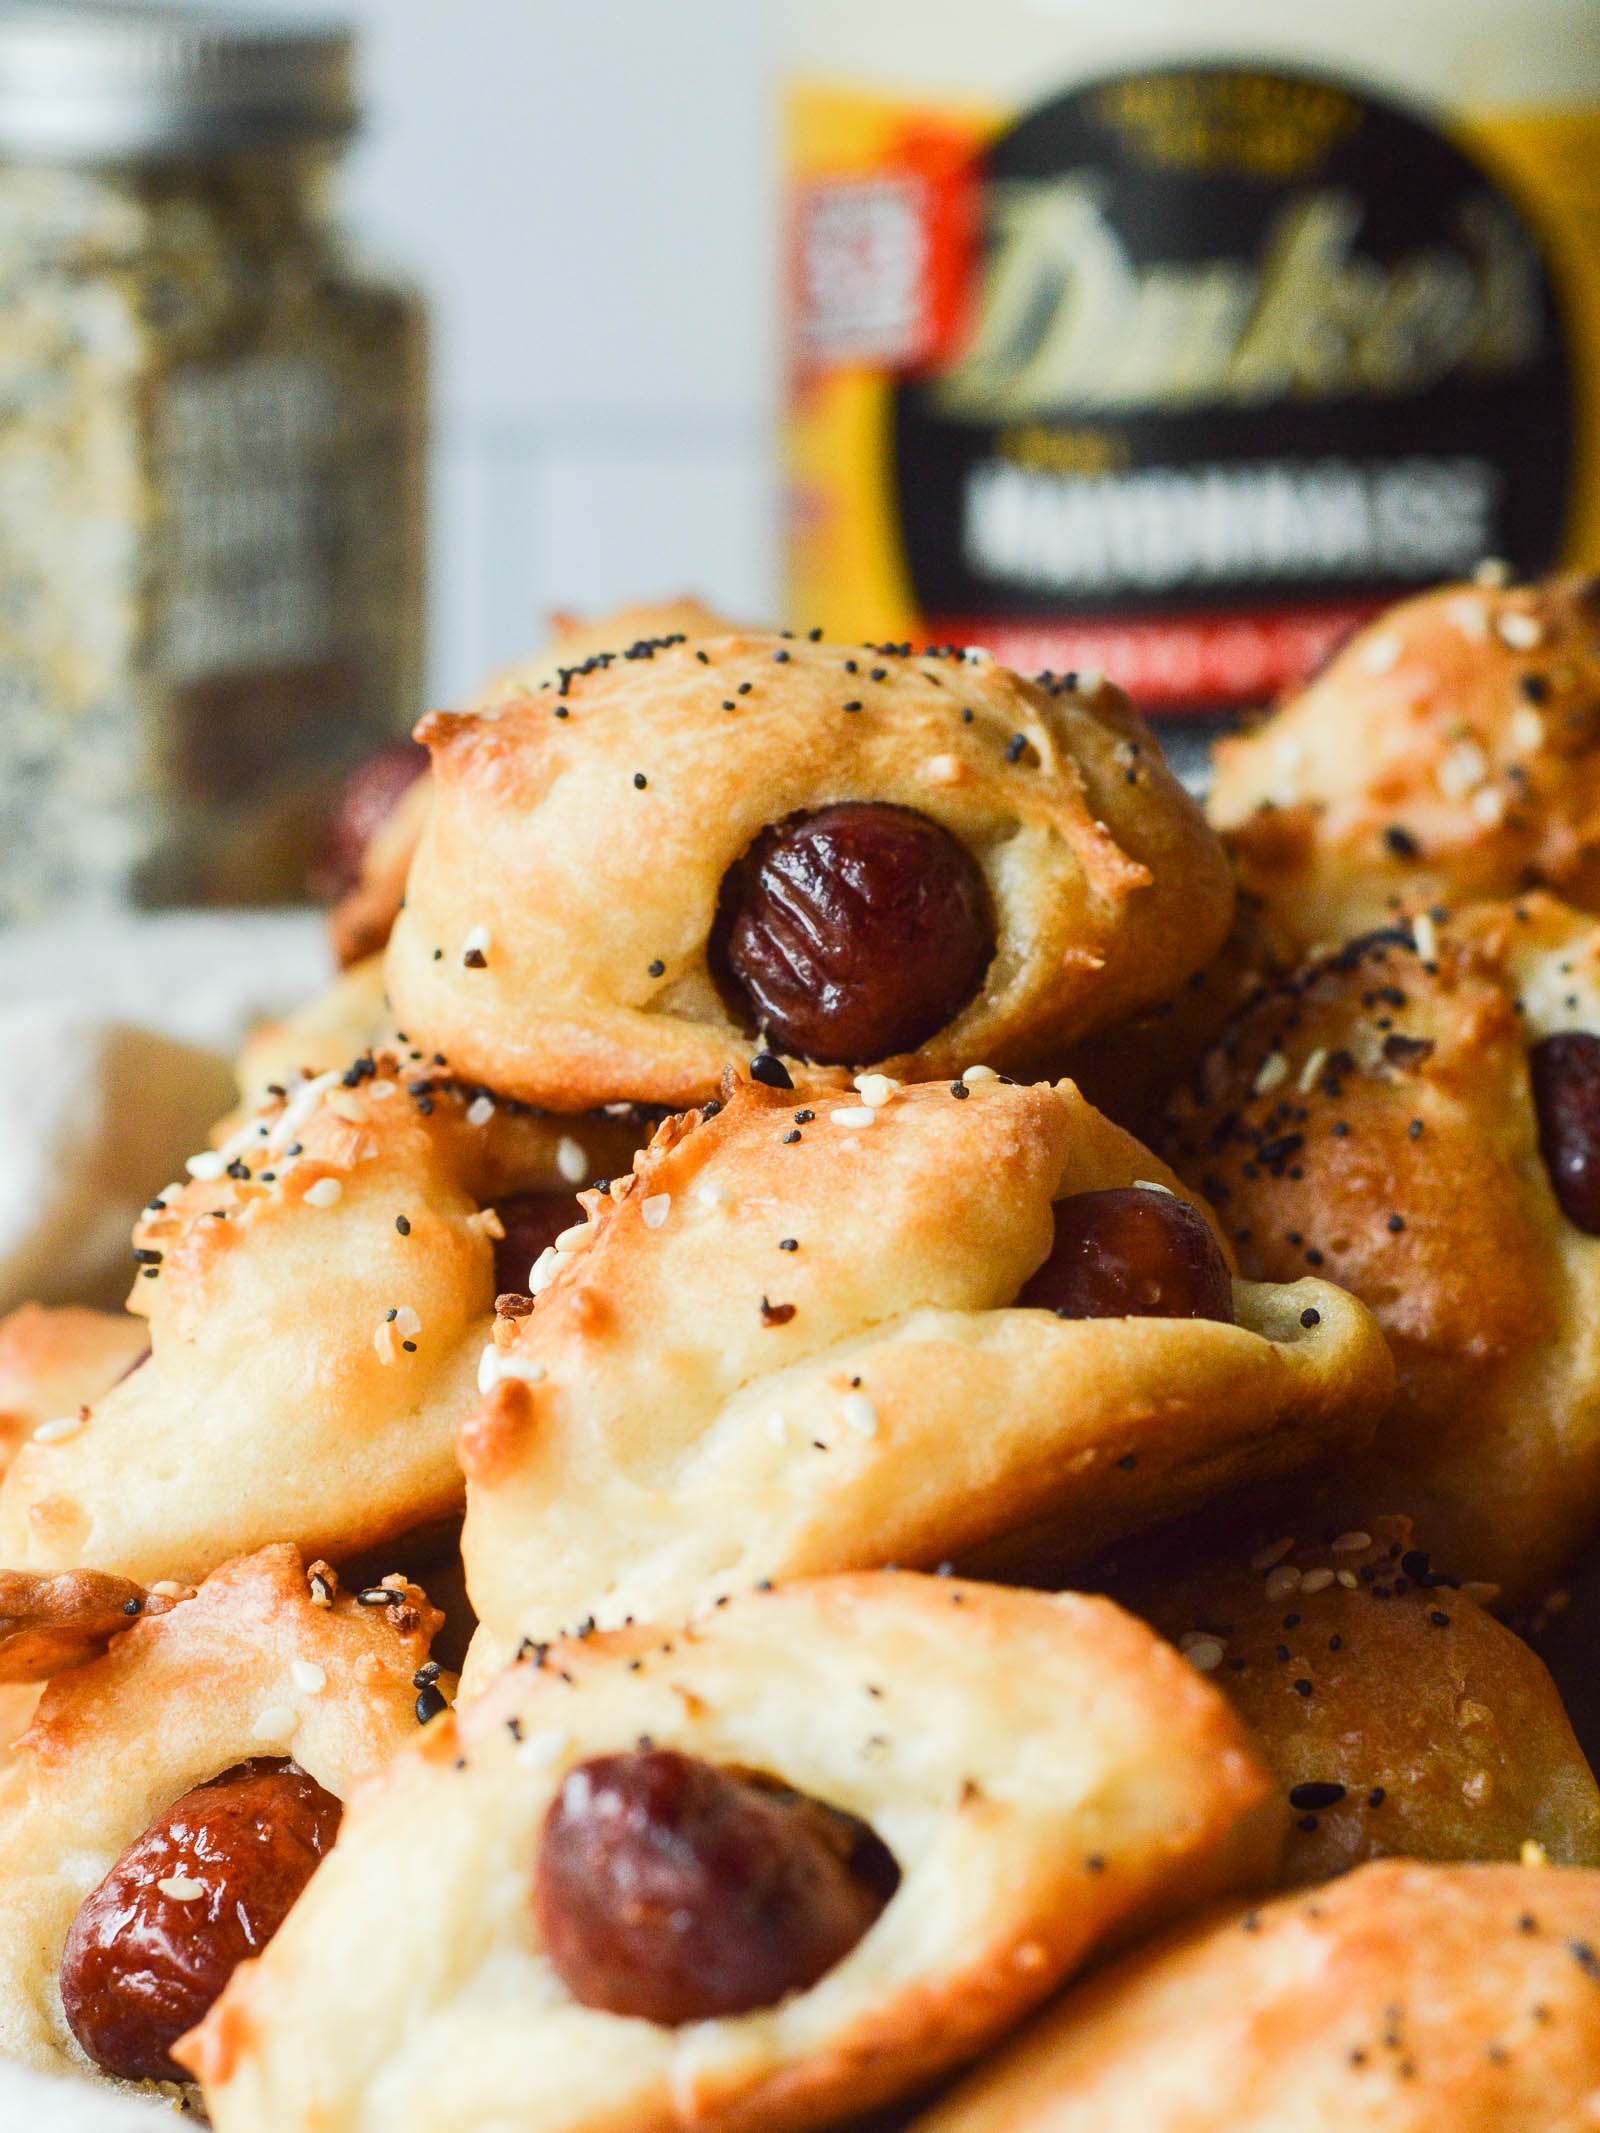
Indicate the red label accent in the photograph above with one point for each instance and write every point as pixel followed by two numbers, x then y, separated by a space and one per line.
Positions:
pixel 880 261
pixel 1175 664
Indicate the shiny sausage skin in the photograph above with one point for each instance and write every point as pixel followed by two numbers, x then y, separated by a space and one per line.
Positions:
pixel 531 1221
pixel 854 933
pixel 1565 1071
pixel 143 1964
pixel 1131 1252
pixel 675 1891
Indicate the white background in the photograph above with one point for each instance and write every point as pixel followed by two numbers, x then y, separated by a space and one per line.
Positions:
pixel 584 191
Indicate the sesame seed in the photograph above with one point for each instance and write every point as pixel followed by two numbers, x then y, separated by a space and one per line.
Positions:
pixel 475 949
pixel 853 1115
pixel 655 1210
pixel 860 1414
pixel 181 1888
pixel 1315 1581
pixel 1204 1654
pixel 1526 728
pixel 640 781
pixel 1312 1069
pixel 1273 1070
pixel 770 1071
pixel 1351 1543
pixel 480 1111
pixel 1282 1581
pixel 326 1192
pixel 1379 655
pixel 974 1074
pixel 206 1166
pixel 876 1089
pixel 308 1677
pixel 276 1722
pixel 571 1161
pixel 656 968
pixel 59 1430
pixel 1470 617
pixel 1521 631
pixel 402 1225
pixel 1265 1558
pixel 1310 1317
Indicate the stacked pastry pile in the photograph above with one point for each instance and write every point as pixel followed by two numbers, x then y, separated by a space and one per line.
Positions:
pixel 907 1539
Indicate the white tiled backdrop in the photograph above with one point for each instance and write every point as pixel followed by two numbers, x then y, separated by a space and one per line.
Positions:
pixel 583 188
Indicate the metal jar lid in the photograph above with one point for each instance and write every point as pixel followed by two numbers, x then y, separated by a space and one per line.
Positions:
pixel 114 80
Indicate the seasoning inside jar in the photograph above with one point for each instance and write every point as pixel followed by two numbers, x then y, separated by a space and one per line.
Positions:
pixel 210 460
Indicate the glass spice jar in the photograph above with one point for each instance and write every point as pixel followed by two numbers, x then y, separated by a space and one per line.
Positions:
pixel 211 439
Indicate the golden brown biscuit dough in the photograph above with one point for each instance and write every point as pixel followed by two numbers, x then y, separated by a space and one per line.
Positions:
pixel 556 938
pixel 1399 1717
pixel 318 1294
pixel 1403 1999
pixel 333 1027
pixel 693 1406
pixel 1452 750
pixel 1372 1119
pixel 1044 1771
pixel 50 1623
pixel 54 1360
pixel 574 638
pixel 361 921
pixel 181 1697
pixel 18 1702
